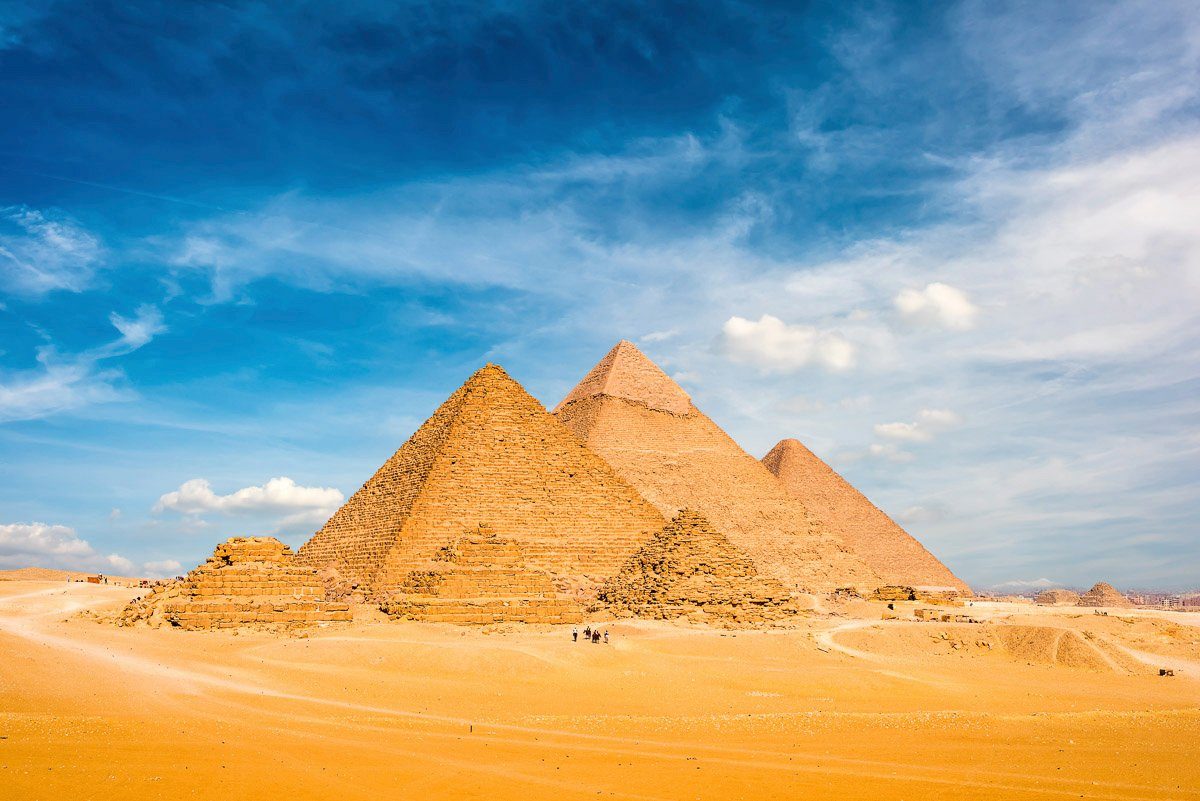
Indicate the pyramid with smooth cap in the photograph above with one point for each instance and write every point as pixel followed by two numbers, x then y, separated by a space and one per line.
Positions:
pixel 690 569
pixel 631 413
pixel 865 528
pixel 490 455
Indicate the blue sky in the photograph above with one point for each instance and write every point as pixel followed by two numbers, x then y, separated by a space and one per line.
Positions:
pixel 245 249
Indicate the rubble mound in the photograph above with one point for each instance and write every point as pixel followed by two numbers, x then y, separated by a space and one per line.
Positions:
pixel 1057 598
pixel 642 423
pixel 1103 594
pixel 689 569
pixel 248 581
pixel 480 579
pixel 895 554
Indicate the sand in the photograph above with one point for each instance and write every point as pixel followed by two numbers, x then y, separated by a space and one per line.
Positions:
pixel 842 706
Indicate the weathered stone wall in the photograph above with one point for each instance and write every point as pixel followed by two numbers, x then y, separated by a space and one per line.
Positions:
pixel 491 455
pixel 862 526
pixel 688 569
pixel 687 461
pixel 248 581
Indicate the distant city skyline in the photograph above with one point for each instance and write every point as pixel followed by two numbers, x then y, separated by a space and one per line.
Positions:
pixel 246 251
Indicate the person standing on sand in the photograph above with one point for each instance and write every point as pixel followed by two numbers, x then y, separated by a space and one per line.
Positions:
pixel 606 636
pixel 587 633
pixel 574 634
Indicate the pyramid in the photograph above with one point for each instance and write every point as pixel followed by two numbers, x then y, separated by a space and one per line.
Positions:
pixel 248 581
pixel 865 529
pixel 481 578
pixel 644 425
pixel 1104 594
pixel 492 455
pixel 1057 598
pixel 688 568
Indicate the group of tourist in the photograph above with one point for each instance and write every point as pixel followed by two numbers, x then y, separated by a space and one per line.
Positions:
pixel 589 633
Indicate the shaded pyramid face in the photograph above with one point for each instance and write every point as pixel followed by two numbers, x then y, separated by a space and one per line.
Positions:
pixel 489 455
pixel 865 529
pixel 645 426
pixel 689 567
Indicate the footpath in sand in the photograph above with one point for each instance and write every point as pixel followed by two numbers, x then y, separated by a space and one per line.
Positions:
pixel 835 707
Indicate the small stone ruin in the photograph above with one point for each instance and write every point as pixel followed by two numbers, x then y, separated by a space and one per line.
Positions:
pixel 1104 594
pixel 248 581
pixel 480 579
pixel 1056 598
pixel 689 569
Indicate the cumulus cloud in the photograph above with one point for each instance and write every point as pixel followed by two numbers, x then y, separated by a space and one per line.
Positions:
pixel 889 452
pixel 45 545
pixel 938 305
pixel 279 496
pixel 775 346
pixel 929 422
pixel 41 251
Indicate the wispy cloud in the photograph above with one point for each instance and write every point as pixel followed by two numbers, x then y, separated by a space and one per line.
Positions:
pixel 41 251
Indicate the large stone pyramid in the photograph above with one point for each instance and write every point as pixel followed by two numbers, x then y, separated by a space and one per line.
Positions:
pixel 490 455
pixel 644 425
pixel 690 569
pixel 870 533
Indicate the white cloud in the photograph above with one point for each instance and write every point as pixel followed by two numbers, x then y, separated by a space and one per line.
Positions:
pixel 660 336
pixel 162 568
pixel 279 495
pixel 773 345
pixel 42 251
pixel 1021 585
pixel 44 545
pixel 889 452
pixel 937 305
pixel 929 422
pixel 63 382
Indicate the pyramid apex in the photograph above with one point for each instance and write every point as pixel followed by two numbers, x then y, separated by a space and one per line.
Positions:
pixel 627 373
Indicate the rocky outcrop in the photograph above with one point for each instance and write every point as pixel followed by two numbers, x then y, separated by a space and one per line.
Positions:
pixel 1057 598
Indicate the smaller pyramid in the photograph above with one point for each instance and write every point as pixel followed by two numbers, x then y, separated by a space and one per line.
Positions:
pixel 864 528
pixel 248 581
pixel 1104 594
pixel 480 579
pixel 690 569
pixel 626 373
pixel 1057 598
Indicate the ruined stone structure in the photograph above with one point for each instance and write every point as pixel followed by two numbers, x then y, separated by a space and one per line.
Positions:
pixel 248 581
pixel 644 425
pixel 1057 598
pixel 690 569
pixel 864 528
pixel 490 455
pixel 481 578
pixel 1103 594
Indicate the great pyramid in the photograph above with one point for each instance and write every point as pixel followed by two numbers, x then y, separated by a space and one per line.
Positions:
pixel 490 455
pixel 248 581
pixel 1103 594
pixel 688 568
pixel 644 425
pixel 865 529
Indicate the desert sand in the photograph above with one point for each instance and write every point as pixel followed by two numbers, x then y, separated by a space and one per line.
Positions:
pixel 1032 703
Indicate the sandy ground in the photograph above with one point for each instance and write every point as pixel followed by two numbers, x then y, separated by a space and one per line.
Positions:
pixel 1036 703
